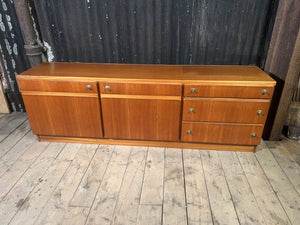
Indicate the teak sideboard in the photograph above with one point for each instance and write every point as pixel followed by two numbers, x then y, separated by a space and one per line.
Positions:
pixel 207 107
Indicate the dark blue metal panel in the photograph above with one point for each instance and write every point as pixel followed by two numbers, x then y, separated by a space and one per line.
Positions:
pixel 154 31
pixel 12 54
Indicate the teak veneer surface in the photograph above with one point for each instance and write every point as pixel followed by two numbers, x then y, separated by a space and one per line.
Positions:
pixel 141 119
pixel 221 133
pixel 57 86
pixel 251 75
pixel 141 89
pixel 64 116
pixel 148 103
pixel 228 110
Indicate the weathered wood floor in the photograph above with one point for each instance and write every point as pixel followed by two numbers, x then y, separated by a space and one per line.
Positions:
pixel 57 183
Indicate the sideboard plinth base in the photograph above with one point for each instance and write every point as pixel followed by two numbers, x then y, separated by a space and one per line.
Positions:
pixel 169 144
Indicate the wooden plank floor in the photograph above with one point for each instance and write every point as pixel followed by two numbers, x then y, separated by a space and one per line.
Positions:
pixel 57 183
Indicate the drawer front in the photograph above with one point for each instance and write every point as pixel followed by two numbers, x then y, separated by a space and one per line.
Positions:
pixel 140 89
pixel 225 110
pixel 219 91
pixel 221 133
pixel 57 86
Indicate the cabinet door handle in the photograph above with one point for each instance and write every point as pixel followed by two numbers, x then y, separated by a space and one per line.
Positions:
pixel 259 112
pixel 88 87
pixel 193 90
pixel 253 135
pixel 189 132
pixel 191 110
pixel 264 91
pixel 107 88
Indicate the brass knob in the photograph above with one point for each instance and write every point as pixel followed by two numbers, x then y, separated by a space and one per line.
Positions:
pixel 188 131
pixel 107 88
pixel 193 90
pixel 264 91
pixel 88 87
pixel 253 135
pixel 259 112
pixel 191 110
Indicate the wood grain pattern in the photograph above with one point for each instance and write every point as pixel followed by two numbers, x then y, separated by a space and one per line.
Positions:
pixel 154 73
pixel 243 199
pixel 225 110
pixel 222 207
pixel 170 144
pixel 228 91
pixel 66 94
pixel 222 133
pixel 55 209
pixel 174 207
pixel 56 86
pixel 198 206
pixel 144 102
pixel 263 192
pixel 178 98
pixel 140 88
pixel 141 119
pixel 64 116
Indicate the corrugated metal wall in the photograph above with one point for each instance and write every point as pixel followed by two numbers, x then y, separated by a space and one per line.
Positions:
pixel 154 31
pixel 12 53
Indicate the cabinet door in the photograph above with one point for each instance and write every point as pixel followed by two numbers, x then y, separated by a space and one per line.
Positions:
pixel 141 119
pixel 54 112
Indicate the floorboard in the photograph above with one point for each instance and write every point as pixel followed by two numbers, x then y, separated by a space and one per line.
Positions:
pixel 58 183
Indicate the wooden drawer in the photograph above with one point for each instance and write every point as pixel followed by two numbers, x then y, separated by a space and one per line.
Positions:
pixel 219 91
pixel 222 133
pixel 57 86
pixel 140 89
pixel 225 110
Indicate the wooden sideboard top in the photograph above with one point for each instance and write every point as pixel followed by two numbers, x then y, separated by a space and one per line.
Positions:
pixel 251 75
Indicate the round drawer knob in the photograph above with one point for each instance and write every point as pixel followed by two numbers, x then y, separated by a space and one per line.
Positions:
pixel 191 110
pixel 253 135
pixel 193 90
pixel 264 91
pixel 107 88
pixel 259 112
pixel 88 87
pixel 188 131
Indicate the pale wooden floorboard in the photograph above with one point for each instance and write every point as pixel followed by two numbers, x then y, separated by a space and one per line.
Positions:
pixel 265 197
pixel 129 196
pixel 57 206
pixel 223 211
pixel 152 192
pixel 149 214
pixel 292 146
pixel 105 201
pixel 57 183
pixel 18 195
pixel 242 196
pixel 285 191
pixel 39 196
pixel 174 205
pixel 86 191
pixel 16 152
pixel 286 162
pixel 15 172
pixel 9 122
pixel 198 207
pixel 14 138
